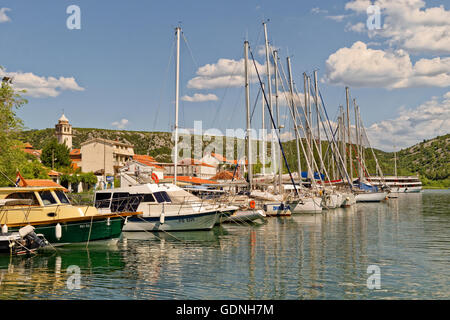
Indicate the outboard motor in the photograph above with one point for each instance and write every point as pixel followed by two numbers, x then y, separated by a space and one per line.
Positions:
pixel 32 240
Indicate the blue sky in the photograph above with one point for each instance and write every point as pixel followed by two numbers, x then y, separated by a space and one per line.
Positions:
pixel 118 61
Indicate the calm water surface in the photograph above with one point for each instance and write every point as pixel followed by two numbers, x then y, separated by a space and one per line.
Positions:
pixel 322 256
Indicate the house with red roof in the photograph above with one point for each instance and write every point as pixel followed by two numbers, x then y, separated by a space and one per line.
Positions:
pixel 190 167
pixel 28 148
pixel 140 169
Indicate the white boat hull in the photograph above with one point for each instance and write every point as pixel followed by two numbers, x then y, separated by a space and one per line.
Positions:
pixel 406 190
pixel 245 216
pixel 185 222
pixel 306 205
pixel 332 201
pixel 276 209
pixel 371 196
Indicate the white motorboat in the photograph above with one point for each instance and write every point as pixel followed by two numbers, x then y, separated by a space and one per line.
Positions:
pixel 246 216
pixel 371 196
pixel 164 207
pixel 305 205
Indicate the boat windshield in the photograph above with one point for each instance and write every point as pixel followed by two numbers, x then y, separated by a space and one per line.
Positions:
pixel 24 195
pixel 162 196
pixel 47 198
pixel 62 197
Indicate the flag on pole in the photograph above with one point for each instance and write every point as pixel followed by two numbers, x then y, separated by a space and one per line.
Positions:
pixel 20 178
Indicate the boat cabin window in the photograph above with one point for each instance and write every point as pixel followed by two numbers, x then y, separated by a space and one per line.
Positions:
pixel 47 198
pixel 62 197
pixel 102 199
pixel 119 201
pixel 24 195
pixel 145 197
pixel 162 196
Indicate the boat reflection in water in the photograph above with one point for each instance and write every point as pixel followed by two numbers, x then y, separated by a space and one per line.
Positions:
pixel 321 256
pixel 48 274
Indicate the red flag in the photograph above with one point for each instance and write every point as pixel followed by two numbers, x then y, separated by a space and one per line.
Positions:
pixel 20 178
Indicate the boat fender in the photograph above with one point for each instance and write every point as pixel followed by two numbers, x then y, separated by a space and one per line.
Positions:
pixel 108 222
pixel 252 204
pixel 155 178
pixel 4 228
pixel 162 218
pixel 58 231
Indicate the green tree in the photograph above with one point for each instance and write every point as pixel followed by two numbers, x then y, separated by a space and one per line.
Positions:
pixel 55 155
pixel 11 155
pixel 33 170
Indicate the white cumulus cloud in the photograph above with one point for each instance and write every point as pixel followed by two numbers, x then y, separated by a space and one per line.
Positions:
pixel 408 24
pixel 360 66
pixel 224 73
pixel 199 97
pixel 426 121
pixel 120 124
pixel 41 87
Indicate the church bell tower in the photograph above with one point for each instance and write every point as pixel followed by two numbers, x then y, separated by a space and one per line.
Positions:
pixel 64 132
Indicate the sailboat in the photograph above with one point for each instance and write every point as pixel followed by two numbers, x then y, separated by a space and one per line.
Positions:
pixel 272 204
pixel 365 191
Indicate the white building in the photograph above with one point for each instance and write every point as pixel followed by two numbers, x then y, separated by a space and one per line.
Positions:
pixel 139 170
pixel 104 156
pixel 64 132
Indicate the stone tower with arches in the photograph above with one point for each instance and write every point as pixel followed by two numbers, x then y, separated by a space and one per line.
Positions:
pixel 64 132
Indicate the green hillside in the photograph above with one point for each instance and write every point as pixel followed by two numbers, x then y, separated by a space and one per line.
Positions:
pixel 430 159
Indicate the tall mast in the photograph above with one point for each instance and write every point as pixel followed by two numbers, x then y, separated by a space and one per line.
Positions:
pixel 177 93
pixel 395 163
pixel 349 135
pixel 269 88
pixel 280 182
pixel 316 98
pixel 309 114
pixel 341 136
pixel 357 142
pixel 291 89
pixel 263 151
pixel 361 141
pixel 247 104
pixel 305 85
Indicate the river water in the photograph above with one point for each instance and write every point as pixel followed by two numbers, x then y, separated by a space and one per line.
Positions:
pixel 323 256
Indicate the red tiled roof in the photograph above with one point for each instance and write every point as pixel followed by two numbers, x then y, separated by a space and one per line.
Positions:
pixel 28 146
pixel 75 152
pixel 223 159
pixel 193 180
pixel 146 160
pixel 40 183
pixel 36 153
pixel 194 162
pixel 54 173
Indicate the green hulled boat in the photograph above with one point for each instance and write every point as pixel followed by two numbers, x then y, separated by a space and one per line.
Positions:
pixel 50 212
